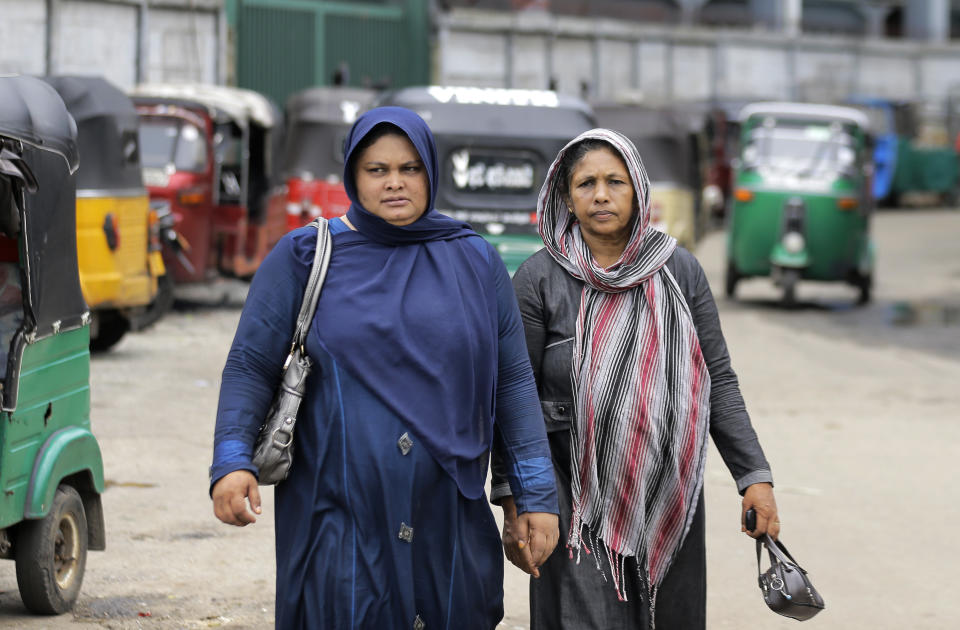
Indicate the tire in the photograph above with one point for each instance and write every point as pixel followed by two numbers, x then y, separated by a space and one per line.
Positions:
pixel 51 555
pixel 160 306
pixel 111 327
pixel 730 280
pixel 789 283
pixel 865 284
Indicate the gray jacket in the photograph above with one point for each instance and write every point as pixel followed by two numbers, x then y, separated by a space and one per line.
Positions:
pixel 549 299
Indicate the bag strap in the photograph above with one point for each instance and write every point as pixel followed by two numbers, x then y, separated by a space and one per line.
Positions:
pixel 311 294
pixel 777 550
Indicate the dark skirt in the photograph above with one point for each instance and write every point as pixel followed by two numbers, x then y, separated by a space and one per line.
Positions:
pixel 572 596
pixel 370 536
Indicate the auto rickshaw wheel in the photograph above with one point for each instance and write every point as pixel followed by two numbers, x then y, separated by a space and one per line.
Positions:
pixel 865 284
pixel 51 555
pixel 788 281
pixel 160 306
pixel 111 327
pixel 730 280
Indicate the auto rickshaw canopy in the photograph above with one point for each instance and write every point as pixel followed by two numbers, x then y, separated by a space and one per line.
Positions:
pixel 328 105
pixel 107 125
pixel 243 107
pixel 807 111
pixel 498 111
pixel 33 113
pixel 318 120
pixel 39 162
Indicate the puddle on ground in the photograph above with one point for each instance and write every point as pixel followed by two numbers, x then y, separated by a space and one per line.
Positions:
pixel 110 483
pixel 926 313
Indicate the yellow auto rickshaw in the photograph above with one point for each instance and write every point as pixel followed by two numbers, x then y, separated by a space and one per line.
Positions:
pixel 118 247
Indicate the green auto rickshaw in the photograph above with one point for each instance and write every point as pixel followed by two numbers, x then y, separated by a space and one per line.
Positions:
pixel 802 198
pixel 51 470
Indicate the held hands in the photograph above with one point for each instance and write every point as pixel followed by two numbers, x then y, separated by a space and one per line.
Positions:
pixel 230 496
pixel 528 539
pixel 759 496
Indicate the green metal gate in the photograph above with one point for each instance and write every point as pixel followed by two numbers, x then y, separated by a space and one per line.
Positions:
pixel 287 45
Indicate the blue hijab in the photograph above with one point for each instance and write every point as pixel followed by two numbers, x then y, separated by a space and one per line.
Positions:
pixel 411 312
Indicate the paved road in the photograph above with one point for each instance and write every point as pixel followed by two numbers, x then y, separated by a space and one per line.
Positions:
pixel 858 410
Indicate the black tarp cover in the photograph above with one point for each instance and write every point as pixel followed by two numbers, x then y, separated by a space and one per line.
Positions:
pixel 107 123
pixel 526 114
pixel 33 113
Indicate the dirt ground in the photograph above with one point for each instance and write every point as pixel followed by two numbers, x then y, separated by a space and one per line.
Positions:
pixel 858 410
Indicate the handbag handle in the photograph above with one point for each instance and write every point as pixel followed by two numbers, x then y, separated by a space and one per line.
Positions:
pixel 777 550
pixel 318 272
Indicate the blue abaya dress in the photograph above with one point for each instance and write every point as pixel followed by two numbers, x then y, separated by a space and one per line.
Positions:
pixel 371 532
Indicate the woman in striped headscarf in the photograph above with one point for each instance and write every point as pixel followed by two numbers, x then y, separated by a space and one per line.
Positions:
pixel 633 373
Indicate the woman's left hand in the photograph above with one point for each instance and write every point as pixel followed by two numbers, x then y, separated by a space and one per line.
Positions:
pixel 759 496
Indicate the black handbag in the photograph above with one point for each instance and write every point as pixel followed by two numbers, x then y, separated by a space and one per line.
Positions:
pixel 273 452
pixel 786 587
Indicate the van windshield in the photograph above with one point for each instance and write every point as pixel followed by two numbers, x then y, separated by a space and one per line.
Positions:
pixel 172 142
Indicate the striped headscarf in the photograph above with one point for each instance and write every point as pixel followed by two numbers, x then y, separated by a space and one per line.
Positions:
pixel 640 384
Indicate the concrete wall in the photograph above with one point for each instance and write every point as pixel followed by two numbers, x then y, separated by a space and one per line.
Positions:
pixel 605 59
pixel 182 46
pixel 23 33
pixel 126 41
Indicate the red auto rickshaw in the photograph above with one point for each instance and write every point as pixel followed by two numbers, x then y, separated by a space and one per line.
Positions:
pixel 318 120
pixel 208 157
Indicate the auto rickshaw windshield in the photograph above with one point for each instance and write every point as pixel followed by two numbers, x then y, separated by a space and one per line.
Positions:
pixel 315 149
pixel 803 149
pixel 168 141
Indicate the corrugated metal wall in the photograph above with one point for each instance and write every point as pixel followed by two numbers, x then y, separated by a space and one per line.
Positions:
pixel 287 45
pixel 276 50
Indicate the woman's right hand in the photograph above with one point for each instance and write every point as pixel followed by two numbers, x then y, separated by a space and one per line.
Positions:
pixel 528 539
pixel 230 496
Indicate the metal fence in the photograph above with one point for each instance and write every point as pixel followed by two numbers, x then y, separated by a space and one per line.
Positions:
pixel 287 45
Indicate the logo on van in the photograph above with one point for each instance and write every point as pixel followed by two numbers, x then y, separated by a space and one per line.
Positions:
pixel 486 173
pixel 349 109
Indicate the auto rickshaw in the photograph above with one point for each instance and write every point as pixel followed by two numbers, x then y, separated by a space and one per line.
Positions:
pixel 318 120
pixel 51 470
pixel 117 241
pixel 208 157
pixel 669 153
pixel 802 198
pixel 495 146
pixel 718 120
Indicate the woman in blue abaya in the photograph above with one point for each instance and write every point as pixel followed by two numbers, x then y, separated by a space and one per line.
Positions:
pixel 419 364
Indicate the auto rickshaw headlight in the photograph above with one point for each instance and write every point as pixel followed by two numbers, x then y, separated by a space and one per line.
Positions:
pixel 743 194
pixel 793 242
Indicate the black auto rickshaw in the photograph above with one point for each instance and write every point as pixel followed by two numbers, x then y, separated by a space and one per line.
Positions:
pixel 318 120
pixel 495 146
pixel 51 470
pixel 118 242
pixel 668 148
